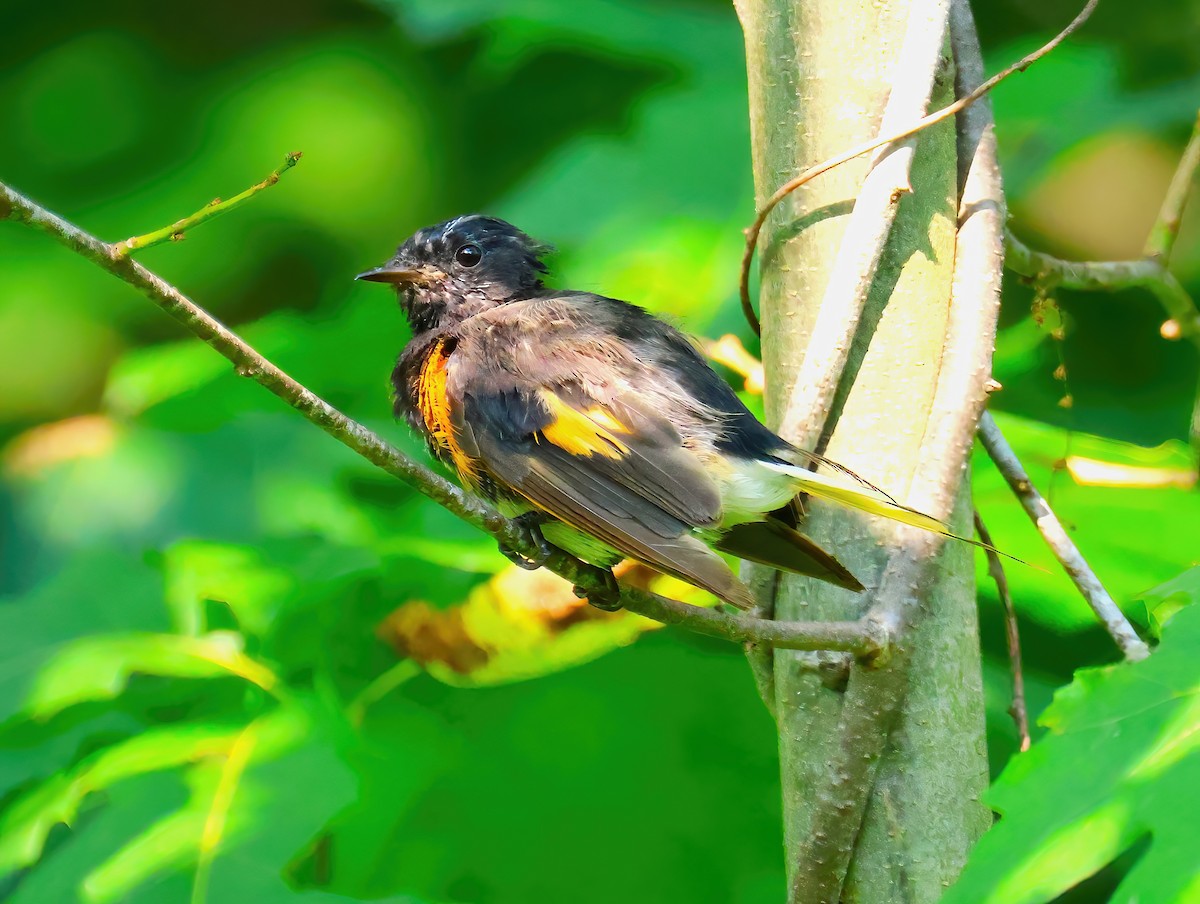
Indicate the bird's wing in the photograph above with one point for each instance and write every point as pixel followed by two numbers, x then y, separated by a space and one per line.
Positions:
pixel 603 466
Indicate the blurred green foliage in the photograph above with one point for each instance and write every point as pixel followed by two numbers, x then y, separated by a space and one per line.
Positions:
pixel 195 704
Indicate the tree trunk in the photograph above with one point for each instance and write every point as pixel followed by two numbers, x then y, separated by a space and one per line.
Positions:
pixel 820 76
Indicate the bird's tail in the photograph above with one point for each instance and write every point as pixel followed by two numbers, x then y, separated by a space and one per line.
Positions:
pixel 862 496
pixel 868 498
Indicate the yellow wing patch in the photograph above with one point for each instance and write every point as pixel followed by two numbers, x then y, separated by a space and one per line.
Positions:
pixel 586 433
pixel 434 406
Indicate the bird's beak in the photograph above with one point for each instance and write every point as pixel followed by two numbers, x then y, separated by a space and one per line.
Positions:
pixel 401 276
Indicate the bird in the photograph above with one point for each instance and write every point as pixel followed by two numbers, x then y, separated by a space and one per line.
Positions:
pixel 599 428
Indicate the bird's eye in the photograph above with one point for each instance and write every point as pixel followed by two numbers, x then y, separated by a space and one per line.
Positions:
pixel 468 255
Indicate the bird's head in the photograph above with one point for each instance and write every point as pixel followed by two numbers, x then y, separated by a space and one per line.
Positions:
pixel 451 271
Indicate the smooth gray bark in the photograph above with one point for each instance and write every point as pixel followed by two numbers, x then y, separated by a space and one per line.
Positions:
pixel 820 74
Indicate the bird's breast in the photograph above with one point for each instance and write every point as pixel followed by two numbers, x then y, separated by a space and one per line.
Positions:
pixel 437 412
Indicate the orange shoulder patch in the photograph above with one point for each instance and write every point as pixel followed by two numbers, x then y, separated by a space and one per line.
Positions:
pixel 586 433
pixel 434 406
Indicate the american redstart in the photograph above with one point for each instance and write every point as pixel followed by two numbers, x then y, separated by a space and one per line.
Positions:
pixel 597 425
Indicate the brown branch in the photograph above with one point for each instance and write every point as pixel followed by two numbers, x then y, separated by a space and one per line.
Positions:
pixel 1060 544
pixel 1016 709
pixel 752 232
pixel 863 638
pixel 1150 273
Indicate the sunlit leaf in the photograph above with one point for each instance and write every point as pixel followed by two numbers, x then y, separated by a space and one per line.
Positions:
pixel 25 824
pixel 1121 761
pixel 98 667
pixel 519 625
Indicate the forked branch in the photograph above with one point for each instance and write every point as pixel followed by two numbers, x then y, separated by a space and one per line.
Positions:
pixel 755 228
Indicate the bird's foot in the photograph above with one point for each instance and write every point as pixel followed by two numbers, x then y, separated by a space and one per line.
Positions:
pixel 607 598
pixel 529 525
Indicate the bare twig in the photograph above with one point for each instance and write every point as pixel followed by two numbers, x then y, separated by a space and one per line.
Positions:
pixel 1161 241
pixel 752 232
pixel 875 695
pixel 1060 544
pixel 864 638
pixel 1016 709
pixel 853 273
pixel 175 231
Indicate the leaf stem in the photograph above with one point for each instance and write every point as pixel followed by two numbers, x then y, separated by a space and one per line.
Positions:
pixel 218 812
pixel 403 671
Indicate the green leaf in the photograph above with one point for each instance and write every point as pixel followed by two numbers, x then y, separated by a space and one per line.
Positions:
pixel 1121 761
pixel 99 667
pixel 252 805
pixel 97 592
pixel 25 825
pixel 258 794
pixel 1166 599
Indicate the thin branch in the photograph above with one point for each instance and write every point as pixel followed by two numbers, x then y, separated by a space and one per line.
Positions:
pixel 176 230
pixel 811 393
pixel 812 172
pixel 1111 276
pixel 862 638
pixel 1161 241
pixel 1060 544
pixel 875 695
pixel 1017 709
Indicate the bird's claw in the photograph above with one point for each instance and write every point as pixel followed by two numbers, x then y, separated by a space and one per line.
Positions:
pixel 607 598
pixel 529 526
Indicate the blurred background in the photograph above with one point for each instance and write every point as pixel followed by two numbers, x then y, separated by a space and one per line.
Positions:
pixel 207 602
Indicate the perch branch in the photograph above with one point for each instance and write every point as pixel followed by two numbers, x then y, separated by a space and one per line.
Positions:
pixel 1017 709
pixel 176 230
pixel 752 232
pixel 1060 544
pixel 863 638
